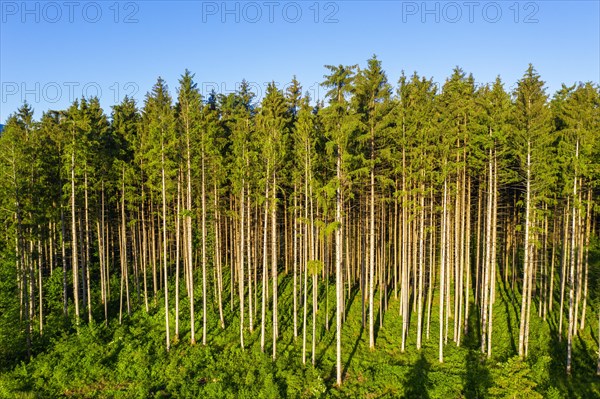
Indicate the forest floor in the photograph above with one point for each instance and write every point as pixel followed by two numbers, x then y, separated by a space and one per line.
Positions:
pixel 129 360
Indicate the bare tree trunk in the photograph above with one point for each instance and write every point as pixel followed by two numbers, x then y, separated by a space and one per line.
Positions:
pixel 249 263
pixel 456 254
pixel 104 257
pixel 421 267
pixel 305 287
pixel 479 248
pixel 64 259
pixel 550 298
pixel 527 259
pixel 74 262
pixel 404 263
pixel 124 245
pixel 493 255
pixel 177 253
pixel 468 259
pixel 295 262
pixel 164 239
pixel 598 367
pixel 121 264
pixel 443 271
pixel 338 273
pixel 87 252
pixel 241 262
pixel 395 241
pixel 40 286
pixel 371 249
pixel 314 319
pixel 431 280
pixel 264 271
pixel 204 234
pixel 274 263
pixel 153 236
pixel 486 272
pixel 218 258
pixel 574 229
pixel 563 273
pixel 588 223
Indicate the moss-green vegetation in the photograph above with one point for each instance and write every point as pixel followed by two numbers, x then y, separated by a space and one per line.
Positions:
pixel 130 361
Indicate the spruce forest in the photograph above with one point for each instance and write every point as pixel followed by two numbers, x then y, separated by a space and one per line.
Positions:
pixel 397 241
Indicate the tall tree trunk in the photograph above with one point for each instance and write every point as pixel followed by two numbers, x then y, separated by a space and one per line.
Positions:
pixel 432 254
pixel 124 245
pixel 264 270
pixel 274 263
pixel 314 318
pixel 493 255
pixel 526 259
pixel 74 259
pixel 204 234
pixel 468 259
pixel 338 272
pixel 563 273
pixel 572 316
pixel 249 262
pixel 164 242
pixel 443 240
pixel 63 250
pixel 295 261
pixel 177 254
pixel 586 244
pixel 404 294
pixel 87 251
pixel 371 245
pixel 486 297
pixel 218 258
pixel 241 262
pixel 305 287
pixel 40 285
pixel 598 367
pixel 550 298
pixel 189 237
pixel 421 266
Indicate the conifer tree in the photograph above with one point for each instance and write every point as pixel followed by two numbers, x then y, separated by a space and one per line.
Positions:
pixel 159 119
pixel 339 128
pixel 372 93
pixel 532 122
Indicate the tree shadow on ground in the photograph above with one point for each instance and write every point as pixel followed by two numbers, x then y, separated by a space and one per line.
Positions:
pixel 582 383
pixel 507 302
pixel 379 318
pixel 356 343
pixel 417 380
pixel 477 378
pixel 349 301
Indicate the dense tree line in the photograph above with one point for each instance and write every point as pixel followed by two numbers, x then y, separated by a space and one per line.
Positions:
pixel 424 195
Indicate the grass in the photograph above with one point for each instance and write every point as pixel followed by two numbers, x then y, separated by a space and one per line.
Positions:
pixel 130 360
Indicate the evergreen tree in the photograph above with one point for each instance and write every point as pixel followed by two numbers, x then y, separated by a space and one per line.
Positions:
pixel 532 122
pixel 339 128
pixel 159 119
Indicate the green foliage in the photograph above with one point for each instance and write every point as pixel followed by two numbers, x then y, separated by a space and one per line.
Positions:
pixel 313 159
pixel 513 379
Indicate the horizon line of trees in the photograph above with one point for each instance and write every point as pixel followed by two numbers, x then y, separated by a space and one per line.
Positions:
pixel 408 192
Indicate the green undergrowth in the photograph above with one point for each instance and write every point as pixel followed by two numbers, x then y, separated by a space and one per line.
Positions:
pixel 129 360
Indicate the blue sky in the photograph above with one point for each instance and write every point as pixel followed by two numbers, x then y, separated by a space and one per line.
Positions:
pixel 54 51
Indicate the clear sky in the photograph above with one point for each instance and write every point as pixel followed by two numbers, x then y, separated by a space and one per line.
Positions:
pixel 54 51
